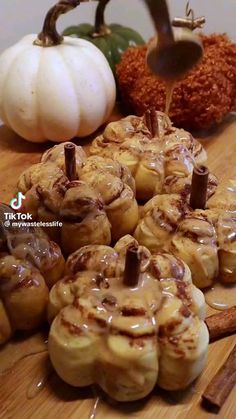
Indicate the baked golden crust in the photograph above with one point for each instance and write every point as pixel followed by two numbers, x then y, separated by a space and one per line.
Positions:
pixel 204 239
pixel 30 264
pixel 152 149
pixel 98 208
pixel 126 339
pixel 34 246
pixel 23 296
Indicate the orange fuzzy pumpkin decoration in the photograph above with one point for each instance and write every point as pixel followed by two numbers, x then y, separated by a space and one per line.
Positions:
pixel 200 100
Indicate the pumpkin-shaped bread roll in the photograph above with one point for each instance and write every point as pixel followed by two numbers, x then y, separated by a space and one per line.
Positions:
pixel 122 319
pixel 98 207
pixel 23 295
pixel 30 264
pixel 204 239
pixel 34 246
pixel 152 149
pixel 44 186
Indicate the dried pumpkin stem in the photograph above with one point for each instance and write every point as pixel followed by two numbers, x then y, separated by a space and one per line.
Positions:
pixel 70 161
pixel 188 23
pixel 132 267
pixel 49 36
pixel 101 28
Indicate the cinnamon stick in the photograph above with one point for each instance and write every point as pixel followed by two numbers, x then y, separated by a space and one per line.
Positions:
pixel 151 121
pixel 221 385
pixel 199 187
pixel 221 324
pixel 70 161
pixel 132 267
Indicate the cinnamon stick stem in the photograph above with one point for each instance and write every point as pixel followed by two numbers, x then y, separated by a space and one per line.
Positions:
pixel 132 267
pixel 70 161
pixel 221 385
pixel 199 187
pixel 151 121
pixel 221 324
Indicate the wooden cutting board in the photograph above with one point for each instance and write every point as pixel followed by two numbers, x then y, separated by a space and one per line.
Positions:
pixel 60 401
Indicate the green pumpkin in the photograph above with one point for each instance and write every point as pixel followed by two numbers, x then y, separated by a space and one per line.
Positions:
pixel 112 39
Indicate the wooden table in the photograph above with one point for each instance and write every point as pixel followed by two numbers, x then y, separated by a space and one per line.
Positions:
pixel 60 401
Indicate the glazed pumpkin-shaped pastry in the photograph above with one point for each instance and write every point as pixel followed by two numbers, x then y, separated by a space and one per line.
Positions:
pixel 220 211
pixel 203 238
pixel 34 246
pixel 30 264
pixel 96 208
pixel 168 223
pixel 151 148
pixel 44 186
pixel 124 322
pixel 23 296
pixel 130 142
pixel 74 204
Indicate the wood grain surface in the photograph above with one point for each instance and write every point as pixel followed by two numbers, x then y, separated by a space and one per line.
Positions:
pixel 60 401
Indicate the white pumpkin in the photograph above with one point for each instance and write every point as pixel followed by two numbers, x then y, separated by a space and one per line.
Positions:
pixel 55 92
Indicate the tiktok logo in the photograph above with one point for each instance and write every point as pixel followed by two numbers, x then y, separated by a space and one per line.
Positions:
pixel 17 202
